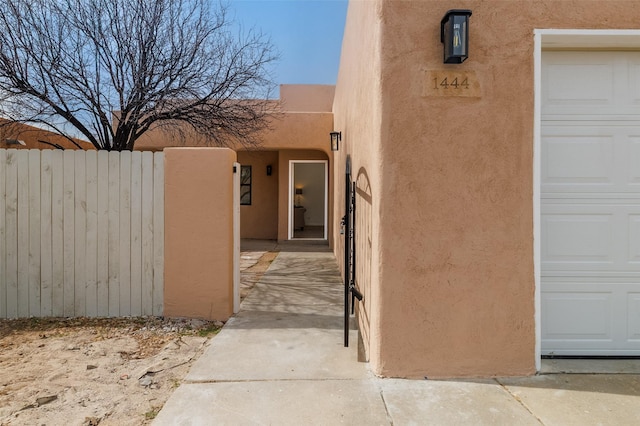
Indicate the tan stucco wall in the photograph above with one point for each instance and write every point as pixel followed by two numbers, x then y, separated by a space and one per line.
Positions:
pixel 357 108
pixel 307 97
pixel 302 120
pixel 260 219
pixel 303 125
pixel 451 180
pixel 31 136
pixel 299 130
pixel 198 270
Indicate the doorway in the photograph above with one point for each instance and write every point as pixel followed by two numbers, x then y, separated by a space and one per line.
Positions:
pixel 308 199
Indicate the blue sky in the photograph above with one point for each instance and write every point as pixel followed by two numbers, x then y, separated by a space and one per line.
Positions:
pixel 307 34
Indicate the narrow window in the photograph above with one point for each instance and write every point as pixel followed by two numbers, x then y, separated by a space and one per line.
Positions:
pixel 245 185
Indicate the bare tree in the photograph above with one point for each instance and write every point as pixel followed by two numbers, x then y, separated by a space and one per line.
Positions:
pixel 113 69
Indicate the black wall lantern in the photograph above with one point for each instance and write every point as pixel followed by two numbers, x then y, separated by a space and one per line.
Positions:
pixel 269 170
pixel 454 33
pixel 336 137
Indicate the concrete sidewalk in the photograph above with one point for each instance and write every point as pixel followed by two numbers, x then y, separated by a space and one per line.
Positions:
pixel 281 361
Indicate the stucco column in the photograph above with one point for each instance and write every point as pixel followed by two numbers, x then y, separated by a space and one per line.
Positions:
pixel 199 232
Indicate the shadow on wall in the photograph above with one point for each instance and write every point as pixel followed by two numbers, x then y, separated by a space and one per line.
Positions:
pixel 363 237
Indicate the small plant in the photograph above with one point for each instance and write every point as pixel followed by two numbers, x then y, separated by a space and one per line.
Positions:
pixel 151 414
pixel 209 331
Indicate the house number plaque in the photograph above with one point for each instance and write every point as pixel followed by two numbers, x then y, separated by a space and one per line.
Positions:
pixel 451 83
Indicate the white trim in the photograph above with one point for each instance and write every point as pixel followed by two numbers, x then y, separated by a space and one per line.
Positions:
pixel 291 199
pixel 588 39
pixel 236 237
pixel 537 99
pixel 545 39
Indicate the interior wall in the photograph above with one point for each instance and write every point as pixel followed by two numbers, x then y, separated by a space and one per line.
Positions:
pixel 310 177
pixel 260 219
pixel 284 156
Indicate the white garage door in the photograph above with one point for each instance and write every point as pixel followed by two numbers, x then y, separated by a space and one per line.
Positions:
pixel 590 203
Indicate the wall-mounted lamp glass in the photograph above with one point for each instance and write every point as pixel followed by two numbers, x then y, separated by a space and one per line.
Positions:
pixel 336 137
pixel 454 34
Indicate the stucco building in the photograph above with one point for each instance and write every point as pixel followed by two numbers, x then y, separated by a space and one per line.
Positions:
pixel 24 136
pixel 499 222
pixel 498 199
pixel 293 153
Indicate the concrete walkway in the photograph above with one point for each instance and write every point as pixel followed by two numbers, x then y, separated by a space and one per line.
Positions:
pixel 281 361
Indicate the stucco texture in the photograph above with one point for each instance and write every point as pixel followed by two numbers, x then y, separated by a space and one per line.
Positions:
pixel 260 219
pixel 199 233
pixel 357 114
pixel 36 138
pixel 298 130
pixel 454 285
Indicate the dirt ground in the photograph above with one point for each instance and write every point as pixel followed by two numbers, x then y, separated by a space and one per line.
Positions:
pixel 108 371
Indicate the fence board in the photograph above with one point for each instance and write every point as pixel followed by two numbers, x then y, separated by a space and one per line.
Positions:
pixel 22 158
pixel 34 232
pixel 102 267
pixel 81 233
pixel 125 233
pixel 147 233
pixel 91 248
pixel 57 233
pixel 46 252
pixel 11 232
pixel 158 229
pixel 136 234
pixel 3 266
pixel 68 211
pixel 114 234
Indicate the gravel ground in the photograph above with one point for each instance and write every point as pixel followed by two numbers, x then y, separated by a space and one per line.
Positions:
pixel 106 371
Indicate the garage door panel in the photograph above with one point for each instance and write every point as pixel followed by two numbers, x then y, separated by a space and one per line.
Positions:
pixel 633 240
pixel 598 157
pixel 578 159
pixel 585 238
pixel 582 315
pixel 601 237
pixel 579 83
pixel 590 316
pixel 633 161
pixel 590 203
pixel 633 323
pixel 575 84
pixel 634 81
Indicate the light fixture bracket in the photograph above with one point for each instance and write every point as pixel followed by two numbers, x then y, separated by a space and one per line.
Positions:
pixel 336 137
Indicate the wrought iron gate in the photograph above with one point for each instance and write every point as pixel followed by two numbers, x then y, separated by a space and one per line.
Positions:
pixel 351 293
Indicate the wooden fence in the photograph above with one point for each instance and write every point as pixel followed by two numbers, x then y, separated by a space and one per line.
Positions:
pixel 81 233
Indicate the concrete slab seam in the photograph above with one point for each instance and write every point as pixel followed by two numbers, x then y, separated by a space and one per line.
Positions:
pixel 519 400
pixel 386 408
pixel 205 382
pixel 582 373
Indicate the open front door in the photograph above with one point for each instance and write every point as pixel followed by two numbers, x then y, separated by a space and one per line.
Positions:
pixel 308 195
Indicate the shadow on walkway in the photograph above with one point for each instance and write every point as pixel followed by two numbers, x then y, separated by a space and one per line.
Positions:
pixel 281 361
